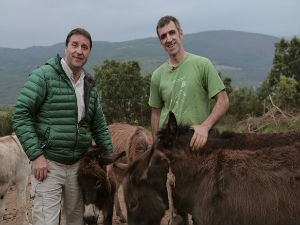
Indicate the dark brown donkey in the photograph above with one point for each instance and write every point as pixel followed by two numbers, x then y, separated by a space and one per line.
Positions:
pixel 97 190
pixel 234 179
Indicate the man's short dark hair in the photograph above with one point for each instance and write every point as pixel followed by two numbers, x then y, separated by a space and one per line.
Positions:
pixel 80 31
pixel 165 21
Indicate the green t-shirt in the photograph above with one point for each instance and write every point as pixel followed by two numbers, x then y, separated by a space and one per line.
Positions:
pixel 185 90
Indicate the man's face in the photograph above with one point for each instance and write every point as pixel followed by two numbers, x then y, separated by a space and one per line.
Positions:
pixel 77 51
pixel 170 38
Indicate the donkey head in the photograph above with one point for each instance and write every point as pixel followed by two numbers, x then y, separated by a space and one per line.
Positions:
pixel 95 186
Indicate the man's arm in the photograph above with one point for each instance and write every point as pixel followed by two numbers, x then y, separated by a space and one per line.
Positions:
pixel 28 103
pixel 155 116
pixel 201 131
pixel 101 133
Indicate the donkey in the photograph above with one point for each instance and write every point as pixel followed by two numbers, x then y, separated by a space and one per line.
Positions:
pixel 134 140
pixel 247 184
pixel 97 190
pixel 14 169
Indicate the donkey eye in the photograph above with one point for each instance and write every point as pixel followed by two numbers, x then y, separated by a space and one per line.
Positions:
pixel 98 184
pixel 132 205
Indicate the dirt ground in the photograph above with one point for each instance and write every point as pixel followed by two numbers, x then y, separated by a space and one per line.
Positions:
pixel 11 209
pixel 11 206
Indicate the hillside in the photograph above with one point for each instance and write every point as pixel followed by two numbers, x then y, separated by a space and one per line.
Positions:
pixel 245 57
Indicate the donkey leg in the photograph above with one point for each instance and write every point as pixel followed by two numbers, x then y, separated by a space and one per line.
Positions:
pixel 108 214
pixel 182 218
pixel 22 217
pixel 119 212
pixel 2 205
pixel 108 209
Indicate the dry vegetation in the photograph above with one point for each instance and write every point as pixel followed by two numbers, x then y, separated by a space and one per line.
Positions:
pixel 274 120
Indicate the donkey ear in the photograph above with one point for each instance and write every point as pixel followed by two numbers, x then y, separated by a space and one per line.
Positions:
pixel 110 158
pixel 120 168
pixel 138 170
pixel 172 124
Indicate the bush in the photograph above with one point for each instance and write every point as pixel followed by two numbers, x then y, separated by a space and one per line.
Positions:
pixel 5 122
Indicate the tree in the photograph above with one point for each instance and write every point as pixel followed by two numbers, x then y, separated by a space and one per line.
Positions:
pixel 227 83
pixel 122 90
pixel 145 108
pixel 286 92
pixel 244 102
pixel 286 61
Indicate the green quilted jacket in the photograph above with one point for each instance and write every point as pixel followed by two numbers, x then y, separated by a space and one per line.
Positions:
pixel 45 116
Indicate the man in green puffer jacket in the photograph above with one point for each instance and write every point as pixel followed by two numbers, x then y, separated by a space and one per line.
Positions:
pixel 54 117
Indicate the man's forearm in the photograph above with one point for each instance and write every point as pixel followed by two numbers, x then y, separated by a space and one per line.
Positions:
pixel 220 108
pixel 155 116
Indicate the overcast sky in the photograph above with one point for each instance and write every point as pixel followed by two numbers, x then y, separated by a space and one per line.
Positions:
pixel 26 23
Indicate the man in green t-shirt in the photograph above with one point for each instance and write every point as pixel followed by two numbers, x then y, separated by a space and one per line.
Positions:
pixel 184 85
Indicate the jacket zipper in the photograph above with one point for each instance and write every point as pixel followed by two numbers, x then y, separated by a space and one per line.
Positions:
pixel 86 107
pixel 77 122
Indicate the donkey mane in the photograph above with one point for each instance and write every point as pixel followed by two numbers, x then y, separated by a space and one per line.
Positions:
pixel 90 164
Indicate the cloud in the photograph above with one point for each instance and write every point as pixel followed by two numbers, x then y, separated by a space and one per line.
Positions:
pixel 35 22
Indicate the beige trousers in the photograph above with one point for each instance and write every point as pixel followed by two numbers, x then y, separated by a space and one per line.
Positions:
pixel 58 193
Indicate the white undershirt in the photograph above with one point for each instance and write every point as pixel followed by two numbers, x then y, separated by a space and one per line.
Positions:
pixel 78 87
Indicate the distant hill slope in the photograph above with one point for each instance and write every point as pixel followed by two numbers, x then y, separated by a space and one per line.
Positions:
pixel 245 57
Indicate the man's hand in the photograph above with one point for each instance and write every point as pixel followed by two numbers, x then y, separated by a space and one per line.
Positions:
pixel 200 136
pixel 40 168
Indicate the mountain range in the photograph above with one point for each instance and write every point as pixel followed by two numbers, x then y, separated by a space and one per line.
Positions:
pixel 245 57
